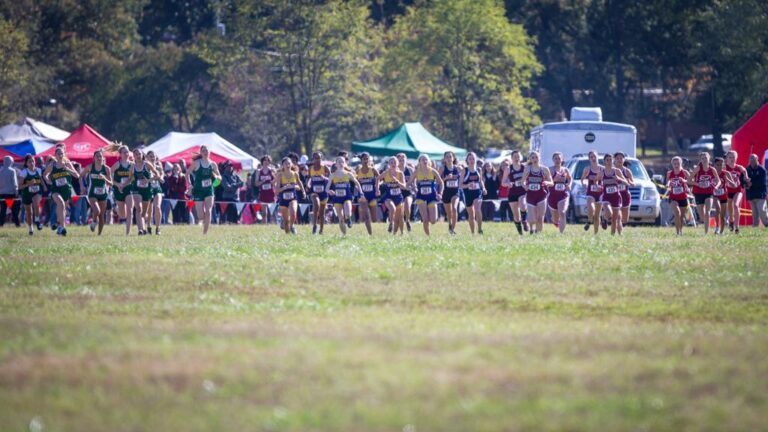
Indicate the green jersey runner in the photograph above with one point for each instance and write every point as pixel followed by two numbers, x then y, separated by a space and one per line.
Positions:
pixel 62 182
pixel 98 183
pixel 203 184
pixel 120 177
pixel 141 182
pixel 33 181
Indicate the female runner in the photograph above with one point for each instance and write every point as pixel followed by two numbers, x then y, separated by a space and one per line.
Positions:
pixel 157 193
pixel 512 178
pixel 59 175
pixel 594 191
pixel 560 193
pixel 288 187
pixel 340 187
pixel 429 188
pixel 395 184
pixel 100 178
pixel 704 180
pixel 721 196
pixel 407 170
pixel 474 189
pixel 122 189
pixel 536 179
pixel 265 187
pixel 611 177
pixel 619 161
pixel 205 171
pixel 735 194
pixel 450 197
pixel 677 183
pixel 368 177
pixel 317 184
pixel 141 176
pixel 31 192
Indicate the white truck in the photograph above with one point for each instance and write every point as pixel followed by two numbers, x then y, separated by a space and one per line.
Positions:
pixel 584 132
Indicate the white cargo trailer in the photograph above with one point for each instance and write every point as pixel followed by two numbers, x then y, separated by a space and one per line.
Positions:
pixel 584 132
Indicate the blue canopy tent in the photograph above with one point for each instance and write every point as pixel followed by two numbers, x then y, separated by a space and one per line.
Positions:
pixel 31 146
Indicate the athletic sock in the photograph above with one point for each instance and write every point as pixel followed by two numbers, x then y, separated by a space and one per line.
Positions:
pixel 519 227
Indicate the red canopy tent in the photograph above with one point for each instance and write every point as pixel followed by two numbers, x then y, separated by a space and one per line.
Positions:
pixel 81 144
pixel 751 138
pixel 188 153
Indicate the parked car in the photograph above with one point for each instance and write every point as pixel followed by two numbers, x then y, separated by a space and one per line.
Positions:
pixel 705 143
pixel 646 204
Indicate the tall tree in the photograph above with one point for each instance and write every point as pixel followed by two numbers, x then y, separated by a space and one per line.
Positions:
pixel 475 65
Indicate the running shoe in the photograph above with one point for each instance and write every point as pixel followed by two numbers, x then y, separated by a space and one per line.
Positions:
pixel 293 230
pixel 408 225
pixel 149 230
pixel 54 227
pixel 526 228
pixel 93 226
pixel 604 223
pixel 349 223
pixel 30 230
pixel 480 231
pixel 389 228
pixel 586 226
pixel 39 226
pixel 314 229
pixel 157 231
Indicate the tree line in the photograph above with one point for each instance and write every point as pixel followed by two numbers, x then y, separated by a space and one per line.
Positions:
pixel 300 75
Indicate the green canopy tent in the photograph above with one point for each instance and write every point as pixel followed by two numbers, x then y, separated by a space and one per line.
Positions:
pixel 410 138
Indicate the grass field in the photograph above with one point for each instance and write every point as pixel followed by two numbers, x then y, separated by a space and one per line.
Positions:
pixel 247 329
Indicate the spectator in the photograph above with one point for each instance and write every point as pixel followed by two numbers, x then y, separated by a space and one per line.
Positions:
pixel 491 179
pixel 177 189
pixel 165 209
pixel 230 187
pixel 756 191
pixel 506 211
pixel 78 208
pixel 9 189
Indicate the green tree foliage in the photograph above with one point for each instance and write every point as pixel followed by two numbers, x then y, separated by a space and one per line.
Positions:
pixel 467 65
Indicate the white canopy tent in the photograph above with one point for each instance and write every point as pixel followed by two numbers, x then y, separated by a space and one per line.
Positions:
pixel 179 145
pixel 30 129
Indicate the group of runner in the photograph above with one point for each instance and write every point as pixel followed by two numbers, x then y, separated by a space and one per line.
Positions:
pixel 532 187
pixel 135 184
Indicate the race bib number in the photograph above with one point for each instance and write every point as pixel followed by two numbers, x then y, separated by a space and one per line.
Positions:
pixel 61 181
pixel 34 189
pixel 594 188
pixel 124 181
pixel 289 196
pixel 144 183
pixel 425 190
pixel 340 192
pixel 719 192
pixel 474 186
pixel 99 191
pixel 266 186
pixel 534 187
pixel 518 183
pixel 704 184
pixel 394 191
pixel 203 183
pixel 611 189
pixel 318 188
pixel 155 184
pixel 677 190
pixel 453 183
pixel 95 176
pixel 560 187
pixel 622 187
pixel 367 187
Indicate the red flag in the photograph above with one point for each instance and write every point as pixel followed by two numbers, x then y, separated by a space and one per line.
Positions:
pixel 256 207
pixel 9 202
pixel 223 207
pixel 190 204
pixel 75 198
